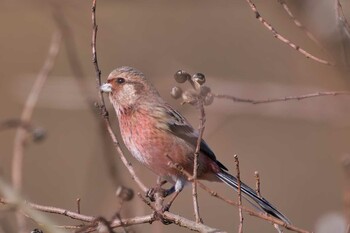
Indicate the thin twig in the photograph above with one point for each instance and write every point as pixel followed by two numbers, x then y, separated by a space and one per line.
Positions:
pixel 78 205
pixel 257 183
pixel 240 228
pixel 286 98
pixel 103 109
pixel 195 167
pixel 263 216
pixel 282 38
pixel 298 23
pixel 21 133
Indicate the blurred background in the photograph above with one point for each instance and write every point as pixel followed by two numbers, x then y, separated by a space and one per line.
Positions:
pixel 300 148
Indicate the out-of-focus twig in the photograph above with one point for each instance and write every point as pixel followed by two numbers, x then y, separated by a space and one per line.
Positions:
pixel 14 199
pixel 21 134
pixel 341 19
pixel 286 98
pixel 80 77
pixel 282 38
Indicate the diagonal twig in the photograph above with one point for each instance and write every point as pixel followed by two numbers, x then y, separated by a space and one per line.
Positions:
pixel 282 38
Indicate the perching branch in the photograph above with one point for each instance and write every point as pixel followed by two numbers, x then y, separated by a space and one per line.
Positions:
pixel 102 107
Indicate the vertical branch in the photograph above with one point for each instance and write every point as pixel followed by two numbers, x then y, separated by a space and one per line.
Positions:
pixel 240 228
pixel 102 107
pixel 21 133
pixel 195 167
pixel 257 184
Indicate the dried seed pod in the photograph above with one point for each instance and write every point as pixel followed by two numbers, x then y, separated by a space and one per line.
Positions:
pixel 38 134
pixel 190 96
pixel 176 92
pixel 209 99
pixel 124 193
pixel 181 76
pixel 205 90
pixel 198 78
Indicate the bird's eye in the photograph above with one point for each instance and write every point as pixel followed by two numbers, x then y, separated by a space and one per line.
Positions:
pixel 120 80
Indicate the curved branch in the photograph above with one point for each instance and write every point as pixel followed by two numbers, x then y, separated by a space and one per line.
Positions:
pixel 282 38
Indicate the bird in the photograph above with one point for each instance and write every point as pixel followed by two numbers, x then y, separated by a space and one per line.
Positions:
pixel 156 134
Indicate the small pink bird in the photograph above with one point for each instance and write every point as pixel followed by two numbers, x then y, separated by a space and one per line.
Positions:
pixel 153 132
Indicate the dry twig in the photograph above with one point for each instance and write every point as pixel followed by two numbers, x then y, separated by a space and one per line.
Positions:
pixel 286 98
pixel 102 107
pixel 240 228
pixel 195 167
pixel 298 23
pixel 282 38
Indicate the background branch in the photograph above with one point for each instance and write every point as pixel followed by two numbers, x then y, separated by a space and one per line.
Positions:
pixel 21 133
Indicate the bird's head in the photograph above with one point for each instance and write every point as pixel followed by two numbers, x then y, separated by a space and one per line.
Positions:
pixel 128 87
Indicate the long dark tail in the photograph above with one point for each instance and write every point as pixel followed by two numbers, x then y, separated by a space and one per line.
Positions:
pixel 251 195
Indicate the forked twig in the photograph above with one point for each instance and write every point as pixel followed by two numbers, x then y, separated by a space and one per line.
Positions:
pixel 263 216
pixel 282 38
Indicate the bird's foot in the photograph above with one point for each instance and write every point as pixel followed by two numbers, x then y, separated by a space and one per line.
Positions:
pixel 152 192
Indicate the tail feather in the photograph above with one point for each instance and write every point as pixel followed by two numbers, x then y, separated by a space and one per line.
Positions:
pixel 251 195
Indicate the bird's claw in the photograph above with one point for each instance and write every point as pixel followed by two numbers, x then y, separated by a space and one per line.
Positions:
pixel 150 194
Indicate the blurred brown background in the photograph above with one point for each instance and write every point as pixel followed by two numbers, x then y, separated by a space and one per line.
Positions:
pixel 296 146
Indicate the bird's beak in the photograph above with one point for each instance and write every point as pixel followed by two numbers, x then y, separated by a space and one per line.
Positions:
pixel 106 87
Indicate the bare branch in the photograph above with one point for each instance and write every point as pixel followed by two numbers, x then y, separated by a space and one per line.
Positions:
pixel 103 109
pixel 240 228
pixel 282 38
pixel 263 216
pixel 286 98
pixel 21 133
pixel 195 167
pixel 298 23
